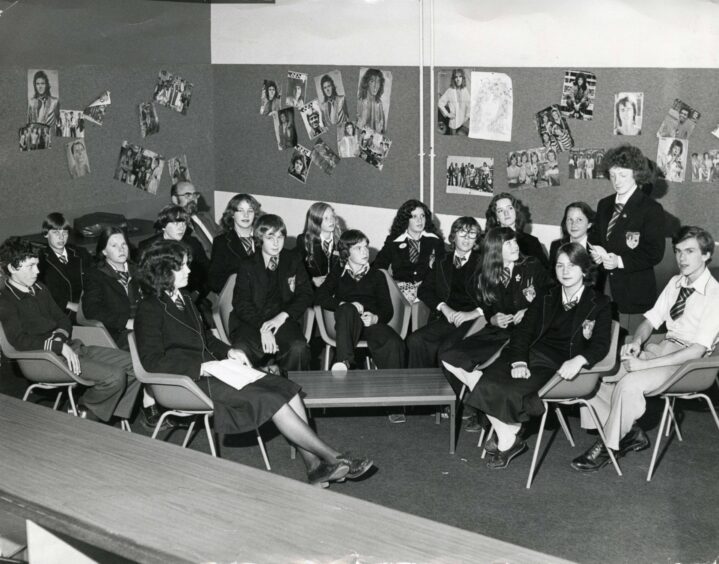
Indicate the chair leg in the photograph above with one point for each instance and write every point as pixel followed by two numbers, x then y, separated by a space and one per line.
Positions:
pixel 538 443
pixel 210 438
pixel 674 420
pixel 30 388
pixel 189 433
pixel 328 351
pixel 57 400
pixel 125 425
pixel 598 425
pixel 489 436
pixel 73 405
pixel 462 392
pixel 563 423
pixel 480 442
pixel 262 449
pixel 665 417
pixel 159 424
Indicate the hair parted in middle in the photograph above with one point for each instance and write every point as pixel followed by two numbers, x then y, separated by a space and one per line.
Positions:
pixel 403 215
pixel 158 264
pixel 349 239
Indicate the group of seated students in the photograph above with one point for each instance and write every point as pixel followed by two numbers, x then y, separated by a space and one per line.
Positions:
pixel 543 317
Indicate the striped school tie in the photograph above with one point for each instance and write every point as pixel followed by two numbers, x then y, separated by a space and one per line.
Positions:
pixel 179 302
pixel 247 245
pixel 413 251
pixel 357 276
pixel 680 304
pixel 272 265
pixel 458 261
pixel 62 259
pixel 326 247
pixel 570 304
pixel 505 276
pixel 615 217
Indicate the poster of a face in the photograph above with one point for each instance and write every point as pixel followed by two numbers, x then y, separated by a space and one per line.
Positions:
pixel 584 164
pixel 705 166
pixel 454 102
pixel 679 121
pixel 173 92
pixel 628 113
pixel 285 131
pixel 324 157
pixel 34 136
pixel 43 93
pixel 312 119
pixel 149 122
pixel 179 171
pixel 553 130
pixel 331 95
pixel 578 92
pixel 300 164
pixel 139 167
pixel 347 140
pixel 491 108
pixel 470 175
pixel 672 158
pixel 374 147
pixel 296 89
pixel 71 124
pixel 95 111
pixel 532 168
pixel 373 98
pixel 270 98
pixel 77 162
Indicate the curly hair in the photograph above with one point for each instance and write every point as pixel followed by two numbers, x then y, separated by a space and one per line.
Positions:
pixel 349 239
pixel 465 223
pixel 631 157
pixel 491 264
pixel 227 221
pixel 585 208
pixel 266 87
pixel 313 227
pixel 520 210
pixel 158 264
pixel 171 213
pixel 364 84
pixel 14 251
pixel 579 256
pixel 404 213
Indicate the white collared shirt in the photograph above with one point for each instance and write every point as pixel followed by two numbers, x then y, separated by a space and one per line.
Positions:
pixel 267 258
pixel 63 254
pixel 582 241
pixel 576 296
pixel 624 198
pixel 406 236
pixel 464 258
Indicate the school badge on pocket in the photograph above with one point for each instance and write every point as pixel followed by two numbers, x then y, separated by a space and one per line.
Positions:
pixel 632 239
pixel 529 293
pixel 587 328
pixel 291 283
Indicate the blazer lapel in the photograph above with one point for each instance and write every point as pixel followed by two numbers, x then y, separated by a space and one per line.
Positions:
pixel 235 245
pixel 549 308
pixel 633 204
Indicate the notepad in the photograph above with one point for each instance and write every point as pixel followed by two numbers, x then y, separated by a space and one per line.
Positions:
pixel 232 372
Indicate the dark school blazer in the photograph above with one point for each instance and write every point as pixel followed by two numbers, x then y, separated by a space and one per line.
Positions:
pixel 437 284
pixel 198 266
pixel 395 253
pixel 65 281
pixel 319 264
pixel 227 253
pixel 530 246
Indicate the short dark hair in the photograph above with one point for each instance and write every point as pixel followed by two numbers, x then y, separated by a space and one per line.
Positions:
pixel 54 220
pixel 265 224
pixel 14 251
pixel 158 264
pixel 579 256
pixel 587 210
pixel 465 223
pixel 170 214
pixel 703 237
pixel 349 239
pixel 105 234
pixel 227 220
pixel 628 156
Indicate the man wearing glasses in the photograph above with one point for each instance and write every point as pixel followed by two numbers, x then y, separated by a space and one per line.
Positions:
pixel 204 228
pixel 447 291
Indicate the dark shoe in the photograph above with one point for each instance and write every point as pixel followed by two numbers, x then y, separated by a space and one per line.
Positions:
pixel 473 425
pixel 325 473
pixel 490 445
pixel 84 413
pixel 636 439
pixel 593 459
pixel 357 466
pixel 151 415
pixel 501 459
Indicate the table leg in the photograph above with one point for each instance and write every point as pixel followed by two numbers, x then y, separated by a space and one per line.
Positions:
pixel 452 424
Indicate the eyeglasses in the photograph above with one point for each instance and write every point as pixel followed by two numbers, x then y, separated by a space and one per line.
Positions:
pixel 189 195
pixel 467 234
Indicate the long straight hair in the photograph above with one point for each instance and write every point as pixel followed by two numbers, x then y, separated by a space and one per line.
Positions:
pixel 313 227
pixel 491 264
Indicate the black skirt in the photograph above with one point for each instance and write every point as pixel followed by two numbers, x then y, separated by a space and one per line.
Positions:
pixel 240 411
pixel 476 349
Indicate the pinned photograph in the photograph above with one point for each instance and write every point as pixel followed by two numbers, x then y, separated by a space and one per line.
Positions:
pixel 312 119
pixel 374 147
pixel 285 131
pixel 300 164
pixel 34 136
pixel 324 157
pixel 705 167
pixel 715 133
pixel 331 94
pixel 578 92
pixel 470 175
pixel 296 89
pixel 454 103
pixel 584 164
pixel 347 140
pixel 628 113
pixel 373 97
pixel 172 92
pixel 179 172
pixel 270 98
pixel 491 107
pixel 553 130
pixel 672 158
pixel 149 122
pixel 139 167
pixel 532 168
pixel 77 161
pixel 71 124
pixel 95 112
pixel 43 93
pixel 679 121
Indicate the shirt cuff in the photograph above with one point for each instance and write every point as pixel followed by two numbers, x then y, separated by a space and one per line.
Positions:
pixel 439 306
pixel 519 363
pixel 620 262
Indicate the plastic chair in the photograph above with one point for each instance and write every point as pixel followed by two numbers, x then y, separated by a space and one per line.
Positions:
pixel 325 320
pixel 45 370
pixel 689 381
pixel 102 336
pixel 420 314
pixel 181 397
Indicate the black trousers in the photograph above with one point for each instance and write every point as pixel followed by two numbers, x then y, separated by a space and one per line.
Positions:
pixel 294 353
pixel 385 345
pixel 425 344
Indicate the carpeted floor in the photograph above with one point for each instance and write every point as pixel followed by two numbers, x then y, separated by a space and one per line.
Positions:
pixel 587 518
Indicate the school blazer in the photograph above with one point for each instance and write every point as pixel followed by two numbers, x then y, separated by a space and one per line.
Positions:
pixel 591 329
pixel 250 294
pixel 437 284
pixel 105 299
pixel 528 282
pixel 227 253
pixel 65 281
pixel 395 253
pixel 634 287
pixel 530 246
pixel 319 264
pixel 198 266
pixel 173 341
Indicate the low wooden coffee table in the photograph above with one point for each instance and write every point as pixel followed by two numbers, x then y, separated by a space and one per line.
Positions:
pixel 373 388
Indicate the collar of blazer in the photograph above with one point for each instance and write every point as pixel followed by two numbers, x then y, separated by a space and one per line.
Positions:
pixel 235 246
pixel 405 236
pixel 110 272
pixel 172 311
pixel 54 262
pixel 552 303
